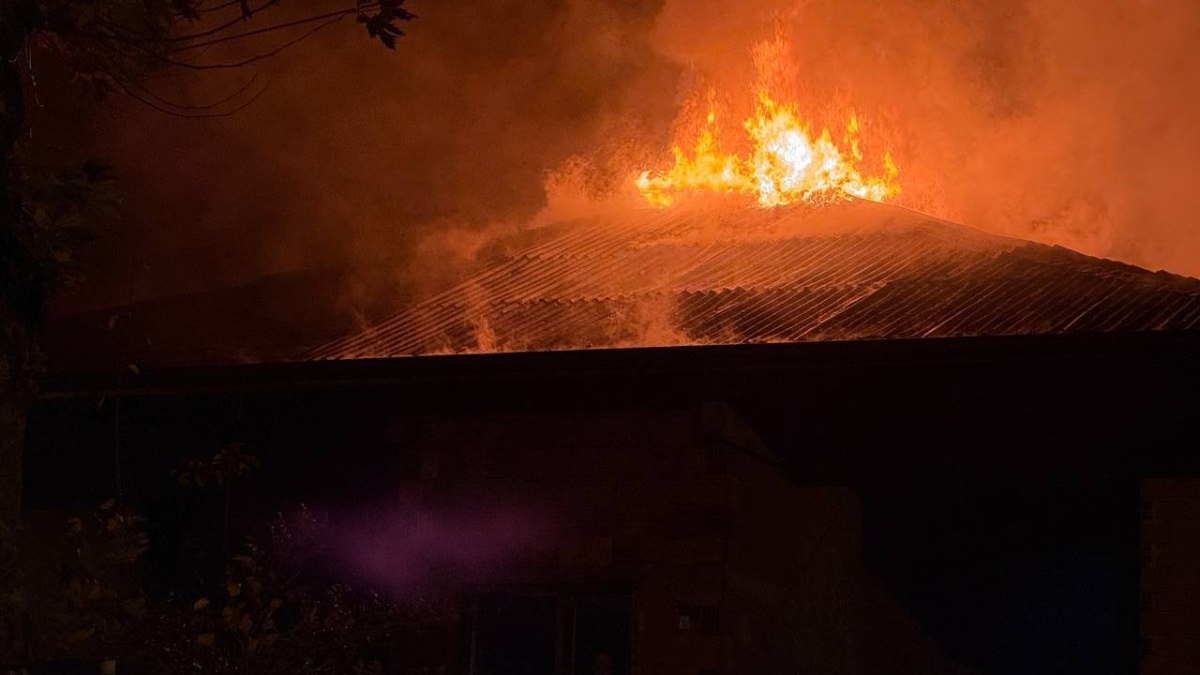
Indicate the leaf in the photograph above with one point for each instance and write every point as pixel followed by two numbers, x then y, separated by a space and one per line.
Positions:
pixel 382 24
pixel 200 604
pixel 263 641
pixel 134 607
pixel 234 588
pixel 81 634
pixel 206 639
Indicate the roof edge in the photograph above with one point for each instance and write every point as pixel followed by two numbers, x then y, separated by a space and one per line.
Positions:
pixel 709 361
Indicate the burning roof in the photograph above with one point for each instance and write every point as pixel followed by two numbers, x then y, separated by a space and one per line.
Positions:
pixel 725 272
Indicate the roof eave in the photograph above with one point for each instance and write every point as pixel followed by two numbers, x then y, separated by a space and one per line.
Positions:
pixel 711 362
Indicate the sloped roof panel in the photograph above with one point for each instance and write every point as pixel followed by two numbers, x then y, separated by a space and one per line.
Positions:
pixel 735 274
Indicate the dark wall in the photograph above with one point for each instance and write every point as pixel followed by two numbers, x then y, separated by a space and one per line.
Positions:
pixel 999 478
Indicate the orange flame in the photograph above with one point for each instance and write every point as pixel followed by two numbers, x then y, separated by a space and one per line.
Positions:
pixel 786 164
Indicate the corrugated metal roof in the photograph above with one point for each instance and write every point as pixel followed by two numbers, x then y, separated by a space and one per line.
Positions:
pixel 728 274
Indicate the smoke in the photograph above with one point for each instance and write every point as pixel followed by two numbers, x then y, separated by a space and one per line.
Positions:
pixel 358 156
pixel 1061 121
pixel 1065 121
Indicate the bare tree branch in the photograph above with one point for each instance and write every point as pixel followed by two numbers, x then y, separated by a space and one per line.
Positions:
pixel 192 111
pixel 223 26
pixel 263 55
pixel 108 53
pixel 132 92
pixel 147 53
pixel 279 26
pixel 128 82
pixel 216 8
pixel 208 106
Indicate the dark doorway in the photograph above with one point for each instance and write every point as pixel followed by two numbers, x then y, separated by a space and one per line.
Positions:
pixel 550 633
pixel 601 636
pixel 515 635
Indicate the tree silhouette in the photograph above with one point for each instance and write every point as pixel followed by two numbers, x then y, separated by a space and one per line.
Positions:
pixel 112 47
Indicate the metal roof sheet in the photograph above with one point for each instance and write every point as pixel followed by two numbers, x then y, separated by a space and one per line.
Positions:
pixel 728 273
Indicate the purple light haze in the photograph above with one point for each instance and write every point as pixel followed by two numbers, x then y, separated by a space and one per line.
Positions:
pixel 412 549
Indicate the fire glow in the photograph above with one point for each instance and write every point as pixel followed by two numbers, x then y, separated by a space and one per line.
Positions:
pixel 785 163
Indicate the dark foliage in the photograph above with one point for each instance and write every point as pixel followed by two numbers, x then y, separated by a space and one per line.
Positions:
pixel 278 612
pixel 382 24
pixel 110 47
pixel 72 593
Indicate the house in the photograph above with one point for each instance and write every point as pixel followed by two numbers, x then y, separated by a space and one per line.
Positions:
pixel 849 440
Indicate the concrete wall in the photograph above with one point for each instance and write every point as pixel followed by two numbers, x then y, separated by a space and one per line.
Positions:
pixel 688 509
pixel 1170 618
